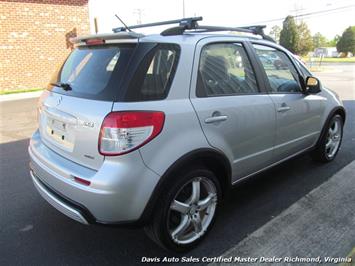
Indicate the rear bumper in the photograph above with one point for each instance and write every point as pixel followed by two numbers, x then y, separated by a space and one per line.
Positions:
pixel 57 202
pixel 118 193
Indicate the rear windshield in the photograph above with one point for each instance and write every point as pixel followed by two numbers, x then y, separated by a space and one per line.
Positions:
pixel 93 72
pixel 129 72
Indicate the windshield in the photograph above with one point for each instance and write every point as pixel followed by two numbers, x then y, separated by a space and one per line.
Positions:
pixel 93 72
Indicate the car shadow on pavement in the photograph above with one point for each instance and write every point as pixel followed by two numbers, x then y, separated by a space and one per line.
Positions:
pixel 32 232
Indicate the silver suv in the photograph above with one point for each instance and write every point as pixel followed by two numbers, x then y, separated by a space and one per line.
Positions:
pixel 154 130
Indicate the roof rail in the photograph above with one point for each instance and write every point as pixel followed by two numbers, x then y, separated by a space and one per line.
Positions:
pixel 187 23
pixel 191 24
pixel 257 30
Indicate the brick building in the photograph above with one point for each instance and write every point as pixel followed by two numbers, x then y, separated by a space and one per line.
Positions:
pixel 34 39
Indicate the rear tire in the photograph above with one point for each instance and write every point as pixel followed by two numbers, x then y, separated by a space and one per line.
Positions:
pixel 186 210
pixel 329 144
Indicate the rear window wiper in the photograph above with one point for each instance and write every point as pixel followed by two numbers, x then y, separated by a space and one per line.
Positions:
pixel 64 86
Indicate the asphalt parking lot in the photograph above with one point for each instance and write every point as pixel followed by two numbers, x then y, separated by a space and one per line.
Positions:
pixel 34 233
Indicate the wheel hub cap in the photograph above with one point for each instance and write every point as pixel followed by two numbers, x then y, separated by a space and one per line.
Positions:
pixel 193 210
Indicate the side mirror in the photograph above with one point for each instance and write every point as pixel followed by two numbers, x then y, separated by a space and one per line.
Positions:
pixel 312 85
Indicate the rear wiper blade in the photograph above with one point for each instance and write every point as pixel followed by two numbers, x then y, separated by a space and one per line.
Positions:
pixel 64 86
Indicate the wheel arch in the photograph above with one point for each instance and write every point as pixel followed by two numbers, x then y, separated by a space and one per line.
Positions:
pixel 336 110
pixel 341 111
pixel 212 159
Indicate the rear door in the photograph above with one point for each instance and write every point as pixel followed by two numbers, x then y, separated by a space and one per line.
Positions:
pixel 79 97
pixel 298 115
pixel 235 114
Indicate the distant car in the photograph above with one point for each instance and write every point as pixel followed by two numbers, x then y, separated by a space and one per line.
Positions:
pixel 154 130
pixel 266 60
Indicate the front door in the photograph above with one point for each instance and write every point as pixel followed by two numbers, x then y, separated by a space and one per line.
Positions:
pixel 298 115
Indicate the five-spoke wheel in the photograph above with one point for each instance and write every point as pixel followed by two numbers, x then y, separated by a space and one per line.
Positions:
pixel 333 137
pixel 330 141
pixel 186 209
pixel 190 215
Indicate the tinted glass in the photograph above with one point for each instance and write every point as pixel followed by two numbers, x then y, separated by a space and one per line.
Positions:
pixel 155 74
pixel 225 69
pixel 93 72
pixel 282 75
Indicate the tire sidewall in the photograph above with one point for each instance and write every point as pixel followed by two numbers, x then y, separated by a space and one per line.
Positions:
pixel 324 140
pixel 177 184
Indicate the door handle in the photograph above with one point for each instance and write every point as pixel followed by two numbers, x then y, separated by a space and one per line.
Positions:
pixel 214 119
pixel 284 108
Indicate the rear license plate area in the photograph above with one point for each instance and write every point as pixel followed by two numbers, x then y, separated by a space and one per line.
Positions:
pixel 59 133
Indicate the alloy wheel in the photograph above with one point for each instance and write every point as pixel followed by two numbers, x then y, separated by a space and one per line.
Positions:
pixel 192 210
pixel 333 140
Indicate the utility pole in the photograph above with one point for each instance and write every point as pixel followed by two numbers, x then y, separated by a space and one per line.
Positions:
pixel 183 8
pixel 139 13
pixel 297 11
pixel 96 25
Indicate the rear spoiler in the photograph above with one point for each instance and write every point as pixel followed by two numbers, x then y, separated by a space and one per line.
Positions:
pixel 107 36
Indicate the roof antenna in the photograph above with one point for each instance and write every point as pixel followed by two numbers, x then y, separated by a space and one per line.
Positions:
pixel 123 23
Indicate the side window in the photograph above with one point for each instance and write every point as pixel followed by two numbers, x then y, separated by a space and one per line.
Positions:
pixel 224 69
pixel 154 76
pixel 302 67
pixel 282 75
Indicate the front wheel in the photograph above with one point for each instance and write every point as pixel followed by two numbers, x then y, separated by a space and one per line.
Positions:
pixel 186 211
pixel 330 142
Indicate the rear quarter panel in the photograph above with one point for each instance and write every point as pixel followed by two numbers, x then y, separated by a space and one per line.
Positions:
pixel 180 135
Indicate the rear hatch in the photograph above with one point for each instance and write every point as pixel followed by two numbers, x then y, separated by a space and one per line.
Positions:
pixel 79 96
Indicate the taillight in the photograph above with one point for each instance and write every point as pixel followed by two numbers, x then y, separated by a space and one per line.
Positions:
pixel 95 41
pixel 123 132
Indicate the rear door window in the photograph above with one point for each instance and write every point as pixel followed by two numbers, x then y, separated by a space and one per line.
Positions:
pixel 154 75
pixel 225 69
pixel 93 72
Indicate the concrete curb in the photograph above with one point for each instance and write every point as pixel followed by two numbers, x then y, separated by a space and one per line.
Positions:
pixel 321 224
pixel 20 96
pixel 352 255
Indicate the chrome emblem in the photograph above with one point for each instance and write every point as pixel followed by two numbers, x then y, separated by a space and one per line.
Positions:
pixel 88 124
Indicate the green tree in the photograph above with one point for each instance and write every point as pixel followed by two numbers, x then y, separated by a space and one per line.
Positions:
pixel 333 42
pixel 275 33
pixel 346 42
pixel 289 37
pixel 296 38
pixel 305 41
pixel 319 40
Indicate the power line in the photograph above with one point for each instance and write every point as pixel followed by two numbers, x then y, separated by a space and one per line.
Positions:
pixel 306 14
